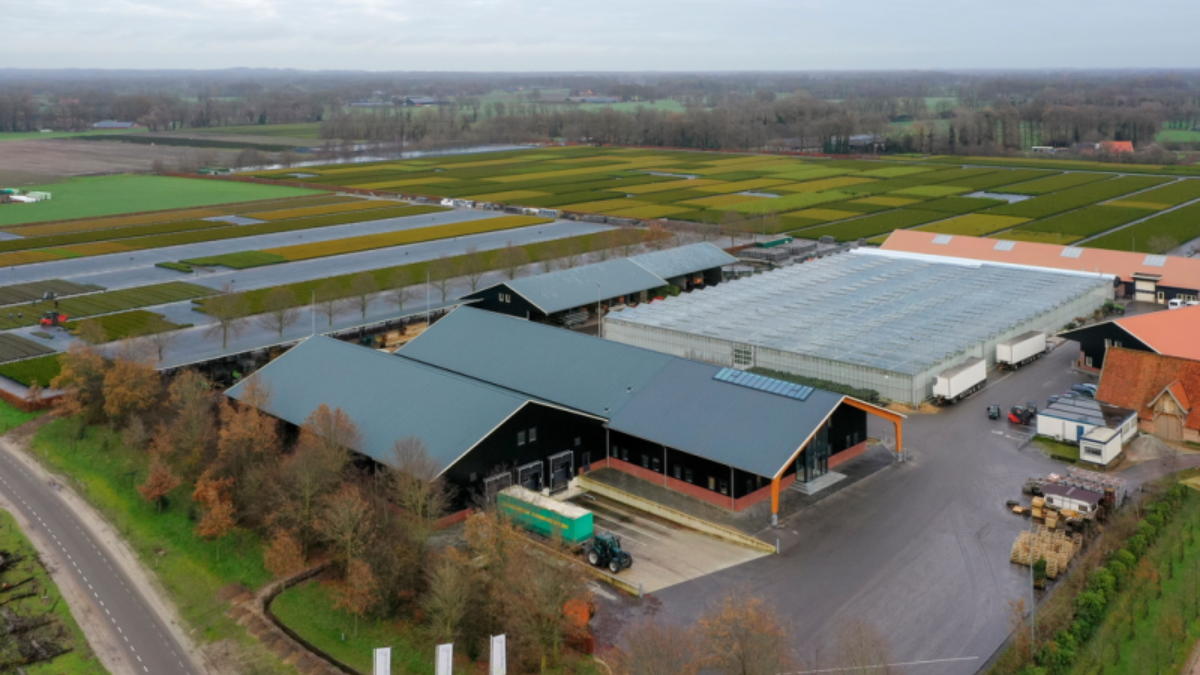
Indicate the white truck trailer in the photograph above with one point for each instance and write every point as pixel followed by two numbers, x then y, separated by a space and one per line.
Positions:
pixel 960 381
pixel 1026 347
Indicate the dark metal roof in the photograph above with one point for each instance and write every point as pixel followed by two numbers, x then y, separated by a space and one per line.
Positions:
pixel 581 286
pixel 661 398
pixel 388 398
pixel 1081 494
pixel 675 262
pixel 1088 411
pixel 684 407
pixel 571 369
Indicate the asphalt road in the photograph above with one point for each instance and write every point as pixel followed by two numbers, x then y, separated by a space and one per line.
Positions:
pixel 920 550
pixel 137 268
pixel 132 622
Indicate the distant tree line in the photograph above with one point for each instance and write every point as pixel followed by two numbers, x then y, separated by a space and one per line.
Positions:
pixel 943 112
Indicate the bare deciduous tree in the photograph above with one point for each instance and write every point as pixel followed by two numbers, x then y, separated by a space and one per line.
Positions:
pixel 400 287
pixel 441 272
pixel 511 259
pixel 345 520
pixel 653 649
pixel 331 300
pixel 160 335
pixel 280 310
pixel 473 267
pixel 362 287
pixel 450 594
pixel 229 309
pixel 862 650
pixel 417 486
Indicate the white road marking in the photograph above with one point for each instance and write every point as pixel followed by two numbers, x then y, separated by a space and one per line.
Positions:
pixel 884 665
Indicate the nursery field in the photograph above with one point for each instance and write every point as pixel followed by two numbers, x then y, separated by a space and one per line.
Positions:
pixel 1156 235
pixel 813 196
pixel 133 323
pixel 84 306
pixel 41 369
pixel 244 259
pixel 83 238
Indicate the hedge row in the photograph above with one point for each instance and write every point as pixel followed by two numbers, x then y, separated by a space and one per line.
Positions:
pixel 1057 656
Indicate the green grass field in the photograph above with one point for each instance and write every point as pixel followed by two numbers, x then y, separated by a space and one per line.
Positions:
pixel 308 609
pixel 1178 136
pixel 121 325
pixel 35 135
pixel 109 195
pixel 310 130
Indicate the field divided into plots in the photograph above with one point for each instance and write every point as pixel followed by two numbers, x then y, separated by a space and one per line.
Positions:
pixel 846 199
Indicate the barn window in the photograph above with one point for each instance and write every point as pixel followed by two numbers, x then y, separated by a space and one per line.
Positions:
pixel 687 475
pixel 532 434
pixel 578 440
pixel 520 438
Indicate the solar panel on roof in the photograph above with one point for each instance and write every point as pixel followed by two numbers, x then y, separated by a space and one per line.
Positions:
pixel 1155 261
pixel 1071 252
pixel 765 384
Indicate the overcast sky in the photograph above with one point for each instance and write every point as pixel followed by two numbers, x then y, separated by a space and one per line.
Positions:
pixel 608 35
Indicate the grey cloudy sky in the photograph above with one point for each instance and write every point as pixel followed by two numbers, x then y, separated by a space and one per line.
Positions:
pixel 612 35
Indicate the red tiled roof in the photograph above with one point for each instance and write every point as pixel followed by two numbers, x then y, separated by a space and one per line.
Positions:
pixel 1135 379
pixel 1176 271
pixel 1172 333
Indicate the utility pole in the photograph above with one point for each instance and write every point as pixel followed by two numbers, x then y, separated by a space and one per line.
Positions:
pixel 313 312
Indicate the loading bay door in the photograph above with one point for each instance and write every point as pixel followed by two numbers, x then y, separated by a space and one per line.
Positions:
pixel 493 485
pixel 530 476
pixel 561 467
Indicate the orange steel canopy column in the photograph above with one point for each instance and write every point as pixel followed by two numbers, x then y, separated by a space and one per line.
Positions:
pixel 883 413
pixel 894 417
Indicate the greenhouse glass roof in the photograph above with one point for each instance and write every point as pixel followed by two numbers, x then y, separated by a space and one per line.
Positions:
pixel 870 308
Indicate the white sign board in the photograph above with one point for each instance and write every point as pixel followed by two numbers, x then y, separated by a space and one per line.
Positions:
pixel 445 659
pixel 499 666
pixel 383 661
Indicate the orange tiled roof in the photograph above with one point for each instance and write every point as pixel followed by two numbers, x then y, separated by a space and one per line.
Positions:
pixel 1116 146
pixel 1170 332
pixel 1176 271
pixel 1135 379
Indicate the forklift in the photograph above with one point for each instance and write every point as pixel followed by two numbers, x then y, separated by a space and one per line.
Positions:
pixel 1021 414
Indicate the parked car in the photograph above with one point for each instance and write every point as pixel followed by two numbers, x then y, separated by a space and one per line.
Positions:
pixel 1087 389
pixel 1178 303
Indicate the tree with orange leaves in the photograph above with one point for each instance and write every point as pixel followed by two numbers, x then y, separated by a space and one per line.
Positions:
pixel 284 557
pixel 131 386
pixel 359 593
pixel 213 496
pixel 159 483
pixel 742 635
pixel 246 432
pixel 82 377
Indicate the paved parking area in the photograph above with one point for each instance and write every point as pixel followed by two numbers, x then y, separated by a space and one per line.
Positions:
pixel 919 549
pixel 664 554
